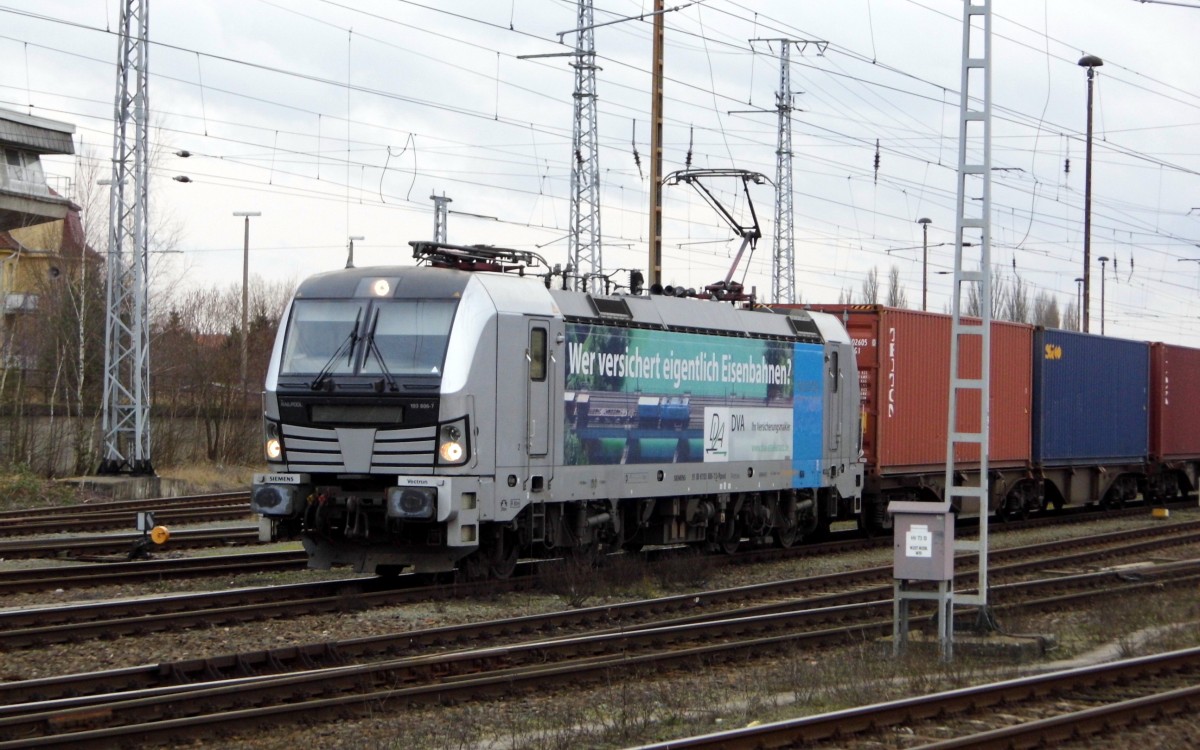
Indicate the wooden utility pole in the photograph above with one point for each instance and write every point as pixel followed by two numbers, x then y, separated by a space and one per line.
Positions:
pixel 656 123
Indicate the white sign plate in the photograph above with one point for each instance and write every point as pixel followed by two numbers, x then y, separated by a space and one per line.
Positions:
pixel 918 542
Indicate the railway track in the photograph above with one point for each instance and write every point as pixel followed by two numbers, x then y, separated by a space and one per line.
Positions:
pixel 24 580
pixel 848 589
pixel 1030 712
pixel 114 572
pixel 110 506
pixel 120 544
pixel 171 708
pixel 123 514
pixel 36 626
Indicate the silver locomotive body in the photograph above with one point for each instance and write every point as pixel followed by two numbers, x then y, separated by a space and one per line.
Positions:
pixel 430 418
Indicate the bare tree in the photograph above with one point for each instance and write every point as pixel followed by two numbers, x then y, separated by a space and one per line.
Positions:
pixel 1070 318
pixel 870 288
pixel 896 296
pixel 1000 297
pixel 846 296
pixel 1016 304
pixel 1045 310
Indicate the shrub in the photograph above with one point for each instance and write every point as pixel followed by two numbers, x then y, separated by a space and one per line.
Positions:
pixel 21 488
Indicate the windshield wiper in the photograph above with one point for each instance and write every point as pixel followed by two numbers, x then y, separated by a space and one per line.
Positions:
pixel 347 347
pixel 373 348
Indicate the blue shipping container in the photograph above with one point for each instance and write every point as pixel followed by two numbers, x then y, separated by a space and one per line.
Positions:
pixel 1090 398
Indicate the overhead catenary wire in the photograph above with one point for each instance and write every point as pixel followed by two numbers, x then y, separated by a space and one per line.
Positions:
pixel 830 138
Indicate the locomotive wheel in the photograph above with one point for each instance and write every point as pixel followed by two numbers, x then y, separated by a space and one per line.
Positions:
pixel 786 537
pixel 502 559
pixel 729 538
pixel 473 567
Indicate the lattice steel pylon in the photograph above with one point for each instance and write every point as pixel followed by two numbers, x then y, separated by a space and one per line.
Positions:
pixel 783 257
pixel 441 215
pixel 126 420
pixel 970 342
pixel 584 236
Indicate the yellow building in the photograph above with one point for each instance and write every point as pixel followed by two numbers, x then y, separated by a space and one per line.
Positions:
pixel 41 235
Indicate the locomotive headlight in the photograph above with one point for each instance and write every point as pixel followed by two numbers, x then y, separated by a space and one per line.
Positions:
pixel 417 503
pixel 273 443
pixel 452 444
pixel 451 452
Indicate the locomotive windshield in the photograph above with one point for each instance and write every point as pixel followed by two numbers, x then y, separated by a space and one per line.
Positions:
pixel 403 337
pixel 407 337
pixel 319 330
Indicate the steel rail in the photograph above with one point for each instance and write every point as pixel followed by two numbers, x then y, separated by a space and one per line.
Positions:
pixel 840 726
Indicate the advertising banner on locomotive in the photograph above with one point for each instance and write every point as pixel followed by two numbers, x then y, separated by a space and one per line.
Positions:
pixel 642 396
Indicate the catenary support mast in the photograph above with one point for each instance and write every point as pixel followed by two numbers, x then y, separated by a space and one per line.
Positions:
pixel 126 420
pixel 783 259
pixel 584 236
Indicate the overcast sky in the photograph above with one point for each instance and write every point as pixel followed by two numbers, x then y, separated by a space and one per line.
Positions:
pixel 340 118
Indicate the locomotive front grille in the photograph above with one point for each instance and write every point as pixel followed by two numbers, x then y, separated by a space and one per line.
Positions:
pixel 347 449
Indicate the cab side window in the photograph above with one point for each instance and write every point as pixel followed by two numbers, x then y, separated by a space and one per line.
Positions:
pixel 537 354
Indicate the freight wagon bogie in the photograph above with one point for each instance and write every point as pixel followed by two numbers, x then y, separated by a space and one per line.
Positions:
pixel 1013 493
pixel 1173 479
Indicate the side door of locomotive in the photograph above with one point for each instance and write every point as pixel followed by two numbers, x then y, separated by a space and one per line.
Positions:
pixel 539 390
pixel 834 400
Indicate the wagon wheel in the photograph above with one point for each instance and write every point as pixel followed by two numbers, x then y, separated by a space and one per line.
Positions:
pixel 1013 509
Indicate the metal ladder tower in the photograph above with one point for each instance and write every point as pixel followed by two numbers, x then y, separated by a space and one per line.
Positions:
pixel 441 214
pixel 584 235
pixel 970 339
pixel 126 421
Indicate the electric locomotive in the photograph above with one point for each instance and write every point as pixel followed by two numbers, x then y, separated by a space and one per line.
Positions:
pixel 464 413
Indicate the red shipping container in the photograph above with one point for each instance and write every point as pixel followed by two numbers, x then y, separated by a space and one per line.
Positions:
pixel 904 378
pixel 1174 402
